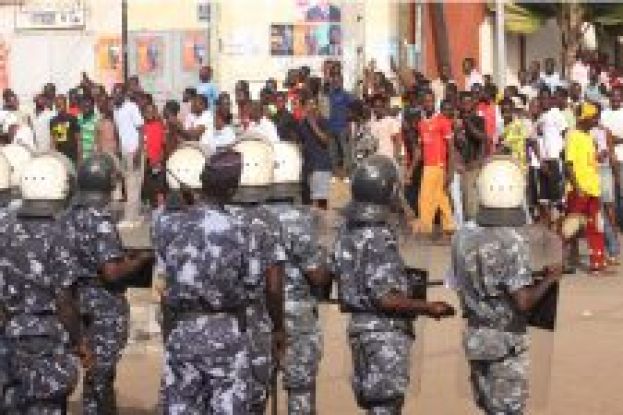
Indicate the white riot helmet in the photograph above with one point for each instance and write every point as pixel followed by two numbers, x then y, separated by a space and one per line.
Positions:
pixel 185 165
pixel 5 181
pixel 501 190
pixel 257 170
pixel 45 185
pixel 287 172
pixel 17 155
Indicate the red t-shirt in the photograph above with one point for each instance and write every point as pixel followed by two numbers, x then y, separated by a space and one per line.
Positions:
pixel 154 141
pixel 488 112
pixel 434 134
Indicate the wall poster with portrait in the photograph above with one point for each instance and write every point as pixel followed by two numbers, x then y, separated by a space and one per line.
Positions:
pixel 149 55
pixel 194 50
pixel 317 31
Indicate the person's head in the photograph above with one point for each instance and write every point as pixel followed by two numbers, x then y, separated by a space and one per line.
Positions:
pixel 447 108
pixel 305 72
pixel 490 91
pixel 534 108
pixel 171 110
pixel 10 100
pixel 134 84
pixel 224 102
pixel 87 105
pixel 523 77
pixel 337 81
pixel 241 92
pixel 580 56
pixel 588 115
pixel 615 98
pixel 534 71
pixel 562 98
pixel 271 84
pixel 205 74
pixel 256 111
pixel 281 101
pixel 105 106
pixel 40 102
pixel 544 92
pixel 511 91
pixel 468 65
pixel 593 75
pixel 380 105
pixel 49 90
pixel 220 120
pixel 188 94
pixel 477 91
pixel 199 104
pixel 444 72
pixel 428 102
pixel 575 92
pixel 150 112
pixel 550 66
pixel 507 109
pixel 119 94
pixel 467 103
pixel 452 91
pixel 60 103
pixel 310 105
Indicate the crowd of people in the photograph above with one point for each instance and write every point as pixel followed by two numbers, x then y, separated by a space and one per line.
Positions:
pixel 437 132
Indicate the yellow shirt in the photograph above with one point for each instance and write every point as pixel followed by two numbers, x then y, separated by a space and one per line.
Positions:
pixel 514 137
pixel 581 153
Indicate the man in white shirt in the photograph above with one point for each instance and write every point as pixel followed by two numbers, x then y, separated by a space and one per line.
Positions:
pixel 41 123
pixel 199 124
pixel 261 124
pixel 386 130
pixel 551 78
pixel 224 135
pixel 612 121
pixel 525 88
pixel 552 125
pixel 129 123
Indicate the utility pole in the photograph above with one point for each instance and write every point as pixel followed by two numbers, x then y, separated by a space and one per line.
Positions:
pixel 501 42
pixel 124 39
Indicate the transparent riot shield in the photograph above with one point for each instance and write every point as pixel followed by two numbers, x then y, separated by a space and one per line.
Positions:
pixel 546 250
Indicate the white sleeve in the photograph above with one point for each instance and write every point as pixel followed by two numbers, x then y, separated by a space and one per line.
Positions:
pixel 137 117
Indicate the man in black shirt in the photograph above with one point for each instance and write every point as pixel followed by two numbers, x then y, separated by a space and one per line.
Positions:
pixel 64 130
pixel 471 143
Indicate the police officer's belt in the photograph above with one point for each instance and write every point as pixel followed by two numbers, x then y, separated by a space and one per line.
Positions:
pixel 99 282
pixel 517 325
pixel 193 310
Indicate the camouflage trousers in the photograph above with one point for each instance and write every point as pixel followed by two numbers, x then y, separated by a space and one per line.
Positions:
pixel 106 332
pixel 381 370
pixel 501 386
pixel 43 373
pixel 4 367
pixel 260 349
pixel 207 368
pixel 302 356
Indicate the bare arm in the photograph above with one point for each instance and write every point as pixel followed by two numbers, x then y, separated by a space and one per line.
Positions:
pixel 400 304
pixel 113 271
pixel 526 298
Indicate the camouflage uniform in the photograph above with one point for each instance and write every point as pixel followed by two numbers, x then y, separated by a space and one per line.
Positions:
pixel 489 264
pixel 368 266
pixel 36 263
pixel 207 263
pixel 266 229
pixel 303 335
pixel 105 312
pixel 4 346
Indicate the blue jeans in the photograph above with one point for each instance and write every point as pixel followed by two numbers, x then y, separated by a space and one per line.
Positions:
pixel 613 248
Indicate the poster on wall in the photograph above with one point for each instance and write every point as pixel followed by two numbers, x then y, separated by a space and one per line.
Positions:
pixel 317 32
pixel 194 51
pixel 108 60
pixel 149 55
pixel 4 64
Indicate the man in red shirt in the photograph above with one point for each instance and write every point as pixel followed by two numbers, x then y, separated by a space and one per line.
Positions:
pixel 435 134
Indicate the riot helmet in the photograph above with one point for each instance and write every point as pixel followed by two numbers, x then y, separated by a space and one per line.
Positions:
pixel 501 188
pixel 221 174
pixel 97 177
pixel 287 172
pixel 185 165
pixel 257 170
pixel 375 189
pixel 17 155
pixel 5 181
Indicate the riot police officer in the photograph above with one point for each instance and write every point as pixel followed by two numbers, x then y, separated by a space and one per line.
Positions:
pixel 265 311
pixel 491 265
pixel 43 327
pixel 374 288
pixel 207 263
pixel 304 270
pixel 103 264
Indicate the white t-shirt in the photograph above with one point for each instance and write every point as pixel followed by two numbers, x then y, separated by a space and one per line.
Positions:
pixel 601 142
pixel 473 78
pixel 612 120
pixel 528 91
pixel 41 125
pixel 553 124
pixel 579 73
pixel 222 138
pixel 383 130
pixel 128 120
pixel 206 120
pixel 266 128
pixel 552 81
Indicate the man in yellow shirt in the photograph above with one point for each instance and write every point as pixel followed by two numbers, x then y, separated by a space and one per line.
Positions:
pixel 583 200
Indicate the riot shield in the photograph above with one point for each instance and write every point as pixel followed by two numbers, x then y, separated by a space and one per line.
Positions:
pixel 135 237
pixel 546 250
pixel 416 251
